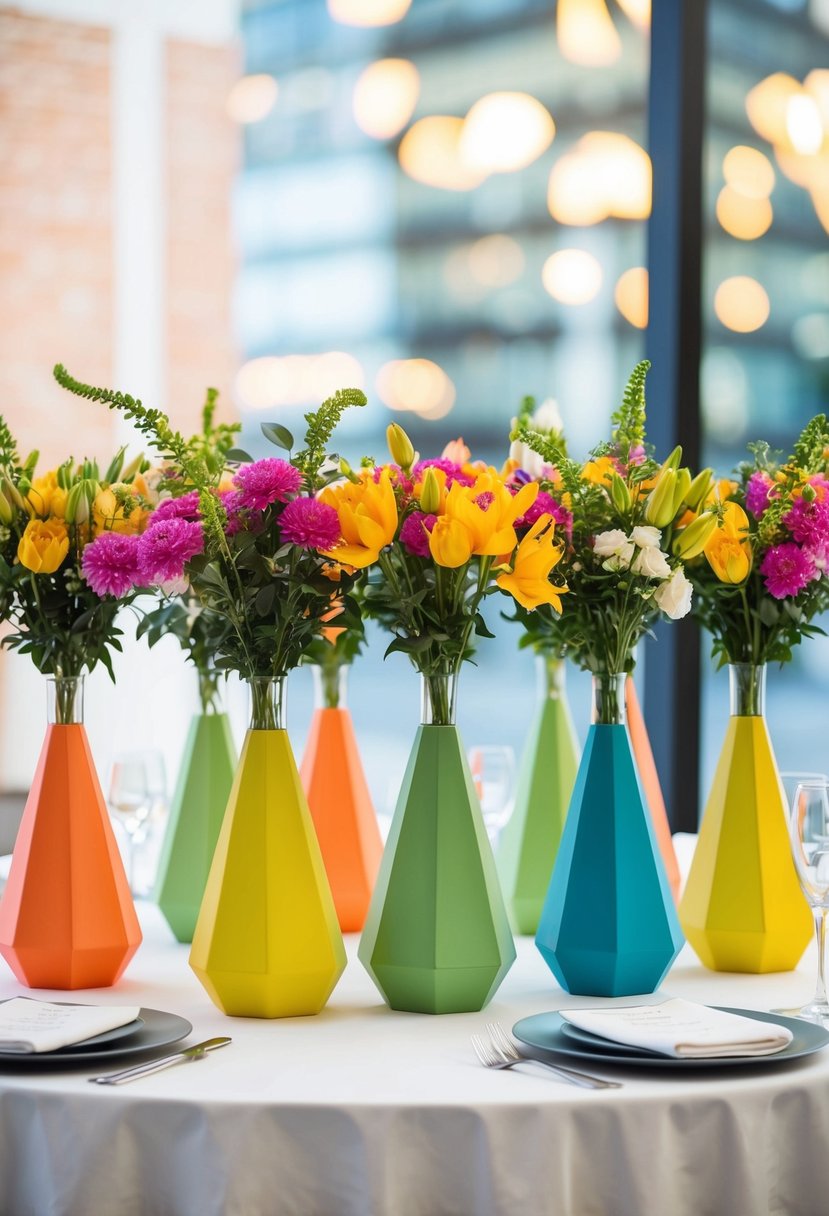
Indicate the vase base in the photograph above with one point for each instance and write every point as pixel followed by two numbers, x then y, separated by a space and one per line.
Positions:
pixel 750 953
pixel 424 990
pixel 287 996
pixel 86 968
pixel 607 975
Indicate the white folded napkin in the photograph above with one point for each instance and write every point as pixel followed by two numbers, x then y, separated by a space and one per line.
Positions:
pixel 682 1029
pixel 28 1026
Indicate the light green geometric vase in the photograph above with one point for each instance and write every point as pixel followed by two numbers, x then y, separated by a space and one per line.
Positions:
pixel 437 936
pixel 529 842
pixel 204 783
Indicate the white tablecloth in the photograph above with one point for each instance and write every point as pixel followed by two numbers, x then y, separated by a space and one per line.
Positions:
pixel 363 1111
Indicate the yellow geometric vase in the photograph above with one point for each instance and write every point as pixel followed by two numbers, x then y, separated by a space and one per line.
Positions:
pixel 743 909
pixel 267 943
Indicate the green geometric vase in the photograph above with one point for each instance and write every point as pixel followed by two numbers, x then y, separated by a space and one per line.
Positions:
pixel 437 937
pixel 529 842
pixel 202 790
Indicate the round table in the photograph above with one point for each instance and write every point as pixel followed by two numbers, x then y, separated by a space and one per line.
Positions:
pixel 365 1111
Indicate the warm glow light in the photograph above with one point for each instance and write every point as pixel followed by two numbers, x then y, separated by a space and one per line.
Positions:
pixel 803 124
pixel 572 276
pixel 604 174
pixel 741 304
pixel 496 260
pixel 430 153
pixel 416 385
pixel 252 98
pixel 767 106
pixel 816 85
pixel 745 218
pixel 631 296
pixel 639 12
pixel 368 12
pixel 262 384
pixel 504 132
pixel 748 172
pixel 586 33
pixel 385 96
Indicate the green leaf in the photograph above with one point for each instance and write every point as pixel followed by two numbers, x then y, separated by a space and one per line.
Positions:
pixel 265 598
pixel 278 434
pixel 240 455
pixel 481 627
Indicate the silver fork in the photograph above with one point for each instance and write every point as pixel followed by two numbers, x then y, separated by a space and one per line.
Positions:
pixel 502 1052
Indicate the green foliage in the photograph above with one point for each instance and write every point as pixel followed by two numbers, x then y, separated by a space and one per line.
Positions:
pixel 810 451
pixel 321 425
pixel 9 460
pixel 629 419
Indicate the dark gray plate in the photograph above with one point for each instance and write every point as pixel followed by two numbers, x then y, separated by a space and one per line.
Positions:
pixel 108 1036
pixel 544 1032
pixel 159 1029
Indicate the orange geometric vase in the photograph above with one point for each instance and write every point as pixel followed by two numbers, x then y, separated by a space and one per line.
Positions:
pixel 646 764
pixel 340 803
pixel 67 918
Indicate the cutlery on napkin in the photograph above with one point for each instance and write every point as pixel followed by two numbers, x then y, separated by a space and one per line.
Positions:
pixel 28 1026
pixel 682 1029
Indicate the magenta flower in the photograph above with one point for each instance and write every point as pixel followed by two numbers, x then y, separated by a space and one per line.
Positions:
pixel 787 569
pixel 111 564
pixel 453 471
pixel 310 524
pixel 760 490
pixel 396 474
pixel 186 507
pixel 266 481
pixel 166 547
pixel 545 504
pixel 808 522
pixel 414 534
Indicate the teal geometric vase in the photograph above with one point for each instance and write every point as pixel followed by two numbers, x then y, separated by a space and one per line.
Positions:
pixel 437 937
pixel 609 926
pixel 529 842
pixel 202 790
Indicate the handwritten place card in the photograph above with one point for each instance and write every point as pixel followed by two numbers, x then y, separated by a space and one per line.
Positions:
pixel 682 1029
pixel 28 1026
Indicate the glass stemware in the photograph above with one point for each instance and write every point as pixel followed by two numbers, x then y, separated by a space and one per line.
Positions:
pixel 493 773
pixel 809 836
pixel 130 803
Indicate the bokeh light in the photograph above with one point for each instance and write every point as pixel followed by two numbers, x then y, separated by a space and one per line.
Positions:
pixel 283 380
pixel 748 172
pixel 803 124
pixel 368 12
pixel 604 174
pixel 504 132
pixel 631 296
pixel 430 153
pixel 417 386
pixel 385 96
pixel 586 33
pixel 637 11
pixel 252 98
pixel 741 217
pixel 572 276
pixel 741 304
pixel 767 106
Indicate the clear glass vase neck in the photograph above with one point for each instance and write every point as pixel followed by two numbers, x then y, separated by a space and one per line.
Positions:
pixel 747 685
pixel 439 695
pixel 330 685
pixel 268 702
pixel 64 700
pixel 551 676
pixel 609 698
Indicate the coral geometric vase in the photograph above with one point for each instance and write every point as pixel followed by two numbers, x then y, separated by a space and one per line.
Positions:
pixel 267 943
pixel 67 918
pixel 743 909
pixel 646 767
pixel 341 808
pixel 609 926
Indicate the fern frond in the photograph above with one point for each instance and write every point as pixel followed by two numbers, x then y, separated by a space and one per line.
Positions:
pixel 9 459
pixel 551 450
pixel 321 425
pixel 810 450
pixel 629 419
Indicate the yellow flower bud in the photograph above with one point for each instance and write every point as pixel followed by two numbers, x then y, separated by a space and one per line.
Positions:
pixel 673 460
pixel 659 505
pixel 43 545
pixel 699 488
pixel 728 549
pixel 400 447
pixel 430 492
pixel 450 543
pixel 13 494
pixel 683 485
pixel 691 541
pixel 619 493
pixel 347 471
pixel 6 513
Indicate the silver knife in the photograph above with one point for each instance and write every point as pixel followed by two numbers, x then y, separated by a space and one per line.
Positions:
pixel 197 1052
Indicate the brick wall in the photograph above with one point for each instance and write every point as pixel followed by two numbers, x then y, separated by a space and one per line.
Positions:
pixel 55 231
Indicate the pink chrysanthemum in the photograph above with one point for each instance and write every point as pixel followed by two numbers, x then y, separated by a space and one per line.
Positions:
pixel 166 547
pixel 414 534
pixel 545 504
pixel 111 564
pixel 808 522
pixel 185 507
pixel 787 569
pixel 760 490
pixel 310 524
pixel 453 471
pixel 266 481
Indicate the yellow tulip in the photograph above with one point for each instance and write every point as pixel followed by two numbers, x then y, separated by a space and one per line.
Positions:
pixel 488 511
pixel 450 543
pixel 43 545
pixel 108 514
pixel 367 512
pixel 528 581
pixel 41 492
pixel 599 471
pixel 728 549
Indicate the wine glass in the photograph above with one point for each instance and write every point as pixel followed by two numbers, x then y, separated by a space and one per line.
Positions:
pixel 149 837
pixel 493 772
pixel 809 836
pixel 129 801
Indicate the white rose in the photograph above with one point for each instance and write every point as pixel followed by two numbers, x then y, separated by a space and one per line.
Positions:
pixel 547 417
pixel 607 544
pixel 674 595
pixel 620 560
pixel 646 537
pixel 651 563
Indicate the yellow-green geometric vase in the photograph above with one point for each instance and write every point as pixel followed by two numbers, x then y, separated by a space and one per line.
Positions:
pixel 743 909
pixel 267 942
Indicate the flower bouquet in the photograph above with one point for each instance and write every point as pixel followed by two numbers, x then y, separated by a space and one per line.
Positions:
pixel 608 926
pixel 66 918
pixel 759 587
pixel 266 942
pixel 440 536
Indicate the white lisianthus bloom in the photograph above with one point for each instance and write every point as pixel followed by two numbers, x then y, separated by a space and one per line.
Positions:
pixel 674 595
pixel 548 417
pixel 621 559
pixel 547 420
pixel 526 458
pixel 651 563
pixel 607 544
pixel 646 537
